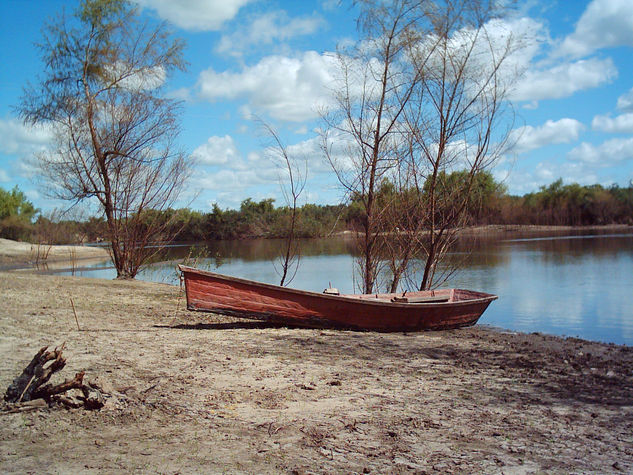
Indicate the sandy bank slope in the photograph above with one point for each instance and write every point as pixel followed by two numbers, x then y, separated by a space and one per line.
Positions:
pixel 195 393
pixel 24 252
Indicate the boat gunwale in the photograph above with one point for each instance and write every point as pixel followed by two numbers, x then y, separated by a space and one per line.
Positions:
pixel 486 297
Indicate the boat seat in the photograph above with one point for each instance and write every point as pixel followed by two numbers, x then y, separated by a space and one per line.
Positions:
pixel 436 298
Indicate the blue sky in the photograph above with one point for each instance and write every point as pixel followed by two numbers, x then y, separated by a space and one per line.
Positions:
pixel 273 59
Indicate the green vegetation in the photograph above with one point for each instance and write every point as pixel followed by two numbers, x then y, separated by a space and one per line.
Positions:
pixel 256 220
pixel 16 215
pixel 571 205
pixel 489 203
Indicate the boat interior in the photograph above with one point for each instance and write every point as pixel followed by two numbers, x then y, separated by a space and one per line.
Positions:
pixel 427 296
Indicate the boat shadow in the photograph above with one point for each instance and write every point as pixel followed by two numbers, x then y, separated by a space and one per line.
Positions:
pixel 241 325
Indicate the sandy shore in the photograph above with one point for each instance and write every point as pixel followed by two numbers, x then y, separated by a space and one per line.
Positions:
pixel 16 254
pixel 195 393
pixel 494 230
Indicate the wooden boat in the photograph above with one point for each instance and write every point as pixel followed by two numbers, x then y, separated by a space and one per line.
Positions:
pixel 412 311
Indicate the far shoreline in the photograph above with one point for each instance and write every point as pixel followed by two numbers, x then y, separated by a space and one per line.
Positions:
pixel 493 230
pixel 16 255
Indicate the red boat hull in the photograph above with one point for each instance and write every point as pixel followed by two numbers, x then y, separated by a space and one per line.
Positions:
pixel 210 292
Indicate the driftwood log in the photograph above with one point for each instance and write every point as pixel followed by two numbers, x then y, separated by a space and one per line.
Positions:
pixel 34 384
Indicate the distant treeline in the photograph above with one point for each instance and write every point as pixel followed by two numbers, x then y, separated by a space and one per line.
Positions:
pixel 556 204
pixel 569 205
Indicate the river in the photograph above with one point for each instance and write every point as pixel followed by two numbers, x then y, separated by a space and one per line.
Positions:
pixel 569 285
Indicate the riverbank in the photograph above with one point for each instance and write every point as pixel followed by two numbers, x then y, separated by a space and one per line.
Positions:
pixel 24 254
pixel 501 230
pixel 202 393
pixel 493 230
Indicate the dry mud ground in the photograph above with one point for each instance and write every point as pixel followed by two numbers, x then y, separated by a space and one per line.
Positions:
pixel 195 393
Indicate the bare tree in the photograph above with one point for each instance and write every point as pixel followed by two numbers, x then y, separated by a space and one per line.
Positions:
pixel 456 122
pixel 428 99
pixel 101 94
pixel 291 255
pixel 375 85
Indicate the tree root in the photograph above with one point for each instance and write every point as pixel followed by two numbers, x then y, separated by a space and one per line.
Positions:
pixel 33 383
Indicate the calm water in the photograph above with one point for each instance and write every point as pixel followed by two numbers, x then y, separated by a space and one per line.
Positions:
pixel 564 285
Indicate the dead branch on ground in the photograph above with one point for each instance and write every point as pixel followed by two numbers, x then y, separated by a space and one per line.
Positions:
pixel 33 383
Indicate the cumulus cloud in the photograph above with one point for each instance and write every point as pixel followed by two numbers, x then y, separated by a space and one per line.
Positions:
pixel 146 79
pixel 266 29
pixel 200 15
pixel 527 138
pixel 607 154
pixel 620 124
pixel 524 35
pixel 18 138
pixel 230 175
pixel 625 102
pixel 290 89
pixel 532 78
pixel 564 80
pixel 226 179
pixel 605 23
pixel 544 173
pixel 505 47
pixel 547 172
pixel 217 151
pixel 221 166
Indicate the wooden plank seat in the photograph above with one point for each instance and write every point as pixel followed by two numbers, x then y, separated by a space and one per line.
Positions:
pixel 436 298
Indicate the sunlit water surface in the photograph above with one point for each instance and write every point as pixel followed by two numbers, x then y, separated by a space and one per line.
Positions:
pixel 578 285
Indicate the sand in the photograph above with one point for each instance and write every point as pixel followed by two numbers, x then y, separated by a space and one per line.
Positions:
pixel 200 393
pixel 23 254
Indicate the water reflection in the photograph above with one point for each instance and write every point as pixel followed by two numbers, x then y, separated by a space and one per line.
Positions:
pixel 564 285
pixel 569 286
pixel 268 249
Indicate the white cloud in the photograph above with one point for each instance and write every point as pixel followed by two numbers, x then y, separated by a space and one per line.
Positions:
pixel 529 138
pixel 605 23
pixel 18 138
pixel 606 154
pixel 267 29
pixel 217 151
pixel 205 15
pixel 4 176
pixel 232 176
pixel 33 195
pixel 564 80
pixel 504 47
pixel 290 89
pixel 330 5
pixel 233 186
pixel 530 79
pixel 231 179
pixel 129 77
pixel 236 172
pixel 180 94
pixel 520 182
pixel 620 124
pixel 625 102
pixel 547 172
pixel 526 37
pixel 341 149
pixel 533 80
